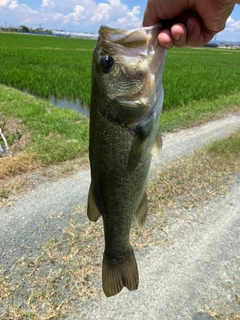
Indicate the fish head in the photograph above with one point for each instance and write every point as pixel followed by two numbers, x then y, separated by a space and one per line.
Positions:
pixel 127 67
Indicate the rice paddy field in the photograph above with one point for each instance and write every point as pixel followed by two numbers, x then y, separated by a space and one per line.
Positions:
pixel 199 84
pixel 61 67
pixel 47 66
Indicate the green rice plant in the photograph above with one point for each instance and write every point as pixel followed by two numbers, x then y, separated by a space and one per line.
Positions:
pixel 199 74
pixel 46 65
pixel 62 70
pixel 44 42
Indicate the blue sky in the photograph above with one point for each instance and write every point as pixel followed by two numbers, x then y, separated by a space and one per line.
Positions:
pixel 88 15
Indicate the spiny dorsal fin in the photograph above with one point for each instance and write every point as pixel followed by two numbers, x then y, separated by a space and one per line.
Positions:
pixel 92 210
pixel 141 214
pixel 119 273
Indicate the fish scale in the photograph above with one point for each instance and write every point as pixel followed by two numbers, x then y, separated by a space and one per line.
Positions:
pixel 126 103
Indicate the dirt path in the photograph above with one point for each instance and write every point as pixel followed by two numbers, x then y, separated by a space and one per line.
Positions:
pixel 199 269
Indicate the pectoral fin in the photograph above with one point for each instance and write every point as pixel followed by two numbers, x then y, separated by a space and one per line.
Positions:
pixel 157 145
pixel 137 148
pixel 141 214
pixel 92 210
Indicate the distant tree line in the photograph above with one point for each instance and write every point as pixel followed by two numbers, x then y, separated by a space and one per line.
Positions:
pixel 25 29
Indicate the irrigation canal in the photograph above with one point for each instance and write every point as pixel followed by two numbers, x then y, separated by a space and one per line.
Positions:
pixel 74 105
pixel 70 104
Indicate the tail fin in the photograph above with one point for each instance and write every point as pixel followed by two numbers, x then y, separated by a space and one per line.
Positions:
pixel 119 273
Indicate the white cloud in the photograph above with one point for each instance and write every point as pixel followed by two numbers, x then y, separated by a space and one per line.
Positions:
pixel 232 25
pixel 72 18
pixel 4 2
pixel 231 31
pixel 132 17
pixel 47 4
pixel 80 15
pixel 102 13
pixel 116 14
pixel 90 14
pixel 13 5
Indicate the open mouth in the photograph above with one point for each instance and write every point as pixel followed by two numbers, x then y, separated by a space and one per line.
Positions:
pixel 141 42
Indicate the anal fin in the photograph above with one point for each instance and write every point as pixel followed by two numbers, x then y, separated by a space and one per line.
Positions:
pixel 92 210
pixel 119 273
pixel 141 213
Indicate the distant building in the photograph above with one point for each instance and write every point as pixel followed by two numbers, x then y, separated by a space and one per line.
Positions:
pixel 12 29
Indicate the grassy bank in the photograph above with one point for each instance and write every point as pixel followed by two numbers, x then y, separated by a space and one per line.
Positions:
pixel 198 112
pixel 40 135
pixel 195 179
pixel 33 127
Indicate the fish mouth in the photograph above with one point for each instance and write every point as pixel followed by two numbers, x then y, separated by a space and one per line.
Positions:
pixel 141 42
pixel 138 48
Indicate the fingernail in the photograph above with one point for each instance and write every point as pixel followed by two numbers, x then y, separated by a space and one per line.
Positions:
pixel 168 46
pixel 190 26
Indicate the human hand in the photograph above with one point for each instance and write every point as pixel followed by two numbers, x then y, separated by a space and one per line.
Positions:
pixel 193 23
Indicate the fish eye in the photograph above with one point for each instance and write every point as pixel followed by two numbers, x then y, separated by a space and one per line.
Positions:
pixel 106 63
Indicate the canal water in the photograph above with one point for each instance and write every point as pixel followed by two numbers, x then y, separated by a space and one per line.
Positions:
pixel 72 105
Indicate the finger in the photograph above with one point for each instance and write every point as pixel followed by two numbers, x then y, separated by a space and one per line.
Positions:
pixel 179 35
pixel 194 34
pixel 165 39
pixel 197 34
pixel 207 36
pixel 175 36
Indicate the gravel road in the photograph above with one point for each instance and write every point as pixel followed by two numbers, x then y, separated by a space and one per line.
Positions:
pixel 199 270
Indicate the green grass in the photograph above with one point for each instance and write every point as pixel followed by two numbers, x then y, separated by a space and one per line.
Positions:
pixel 198 111
pixel 56 134
pixel 228 147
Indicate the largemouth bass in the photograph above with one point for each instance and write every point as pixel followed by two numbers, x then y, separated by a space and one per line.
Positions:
pixel 126 103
